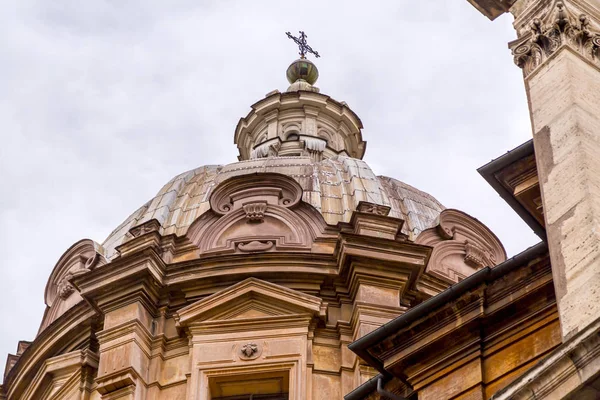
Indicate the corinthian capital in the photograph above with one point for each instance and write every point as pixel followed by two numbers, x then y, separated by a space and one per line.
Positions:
pixel 545 26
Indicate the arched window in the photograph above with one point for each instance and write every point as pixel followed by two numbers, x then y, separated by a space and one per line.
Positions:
pixel 293 136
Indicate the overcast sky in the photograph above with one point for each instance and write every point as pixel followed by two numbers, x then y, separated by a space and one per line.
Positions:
pixel 102 102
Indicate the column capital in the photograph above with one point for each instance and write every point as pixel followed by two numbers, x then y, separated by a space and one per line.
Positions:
pixel 545 26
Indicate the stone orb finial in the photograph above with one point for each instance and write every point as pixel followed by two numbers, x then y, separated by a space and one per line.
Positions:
pixel 302 69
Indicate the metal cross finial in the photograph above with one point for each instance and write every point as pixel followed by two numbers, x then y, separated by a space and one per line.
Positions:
pixel 302 45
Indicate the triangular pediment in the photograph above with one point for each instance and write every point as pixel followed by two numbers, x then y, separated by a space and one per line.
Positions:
pixel 251 306
pixel 251 299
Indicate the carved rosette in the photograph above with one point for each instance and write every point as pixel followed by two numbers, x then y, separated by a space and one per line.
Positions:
pixel 250 351
pixel 558 27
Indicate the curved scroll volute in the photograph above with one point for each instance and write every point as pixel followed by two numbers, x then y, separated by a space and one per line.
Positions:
pixel 60 294
pixel 461 246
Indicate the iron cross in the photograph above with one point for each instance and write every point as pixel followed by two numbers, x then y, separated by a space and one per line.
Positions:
pixel 302 45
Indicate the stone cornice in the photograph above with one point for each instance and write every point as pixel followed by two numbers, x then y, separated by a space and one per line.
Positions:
pixel 207 268
pixel 492 8
pixel 365 313
pixel 251 288
pixel 124 270
pixel 457 318
pixel 399 264
pixel 490 317
pixel 269 323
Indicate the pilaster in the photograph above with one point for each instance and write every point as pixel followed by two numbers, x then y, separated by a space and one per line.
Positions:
pixel 559 51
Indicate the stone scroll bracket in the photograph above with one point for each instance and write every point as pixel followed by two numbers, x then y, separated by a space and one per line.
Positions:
pixel 461 246
pixel 85 255
pixel 61 294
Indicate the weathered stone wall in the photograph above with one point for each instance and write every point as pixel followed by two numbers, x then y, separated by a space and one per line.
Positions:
pixel 558 49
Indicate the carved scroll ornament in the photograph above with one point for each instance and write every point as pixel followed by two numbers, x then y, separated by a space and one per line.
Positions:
pixel 256 213
pixel 235 192
pixel 65 288
pixel 461 245
pixel 555 29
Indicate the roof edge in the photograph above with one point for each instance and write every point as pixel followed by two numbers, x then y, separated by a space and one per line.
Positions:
pixel 487 274
pixel 488 170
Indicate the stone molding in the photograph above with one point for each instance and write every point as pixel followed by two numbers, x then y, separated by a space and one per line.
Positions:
pixel 249 289
pixel 72 326
pixel 360 271
pixel 270 188
pixel 492 8
pixel 494 327
pixel 543 30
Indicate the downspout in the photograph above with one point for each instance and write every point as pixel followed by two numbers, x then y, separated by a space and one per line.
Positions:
pixel 385 393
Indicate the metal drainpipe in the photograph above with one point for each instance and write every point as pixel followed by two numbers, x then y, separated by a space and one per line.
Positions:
pixel 385 393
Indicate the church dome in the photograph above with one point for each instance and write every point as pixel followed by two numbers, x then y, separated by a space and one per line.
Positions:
pixel 300 133
pixel 333 186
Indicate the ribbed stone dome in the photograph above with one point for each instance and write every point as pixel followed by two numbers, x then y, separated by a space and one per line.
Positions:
pixel 333 186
